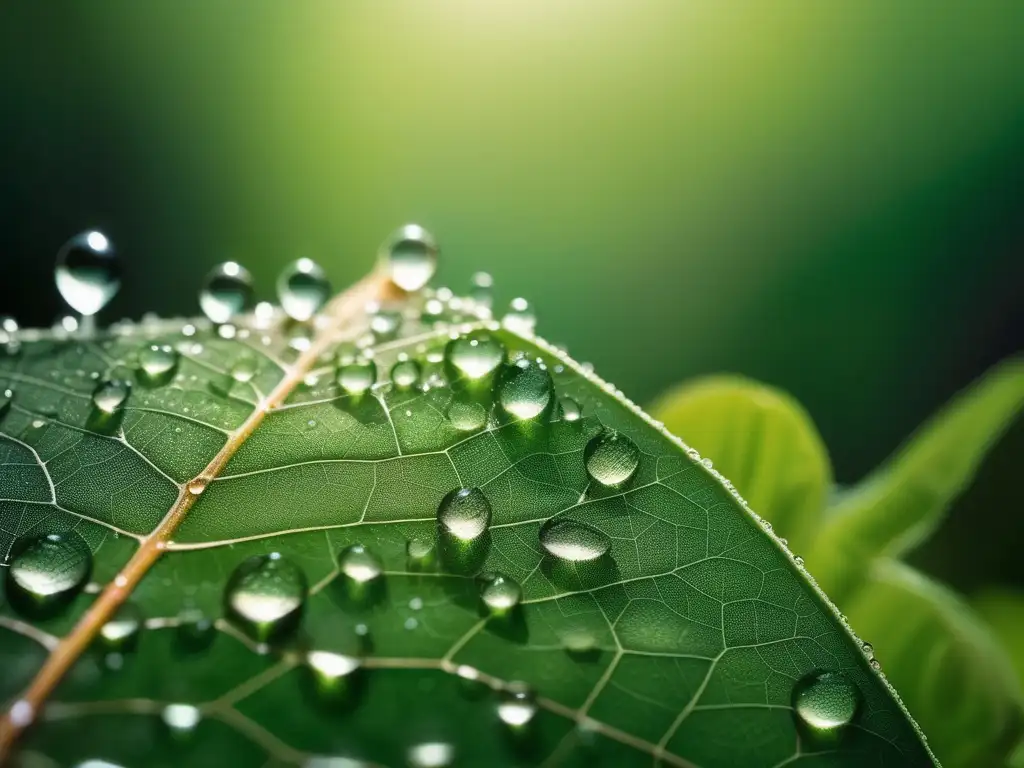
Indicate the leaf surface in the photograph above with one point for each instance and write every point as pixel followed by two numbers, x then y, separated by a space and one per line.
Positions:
pixel 682 644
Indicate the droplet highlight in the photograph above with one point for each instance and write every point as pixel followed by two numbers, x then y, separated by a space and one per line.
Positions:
pixel 111 395
pixel 303 289
pixel 226 292
pixel 359 564
pixel 517 705
pixel 88 272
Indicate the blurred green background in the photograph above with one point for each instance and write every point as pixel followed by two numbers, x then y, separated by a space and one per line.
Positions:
pixel 825 196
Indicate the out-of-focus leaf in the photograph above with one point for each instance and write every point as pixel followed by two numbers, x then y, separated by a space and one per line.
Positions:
pixel 659 621
pixel 899 504
pixel 763 441
pixel 1003 611
pixel 947 666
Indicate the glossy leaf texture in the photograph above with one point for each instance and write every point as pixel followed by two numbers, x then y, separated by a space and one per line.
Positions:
pixel 657 620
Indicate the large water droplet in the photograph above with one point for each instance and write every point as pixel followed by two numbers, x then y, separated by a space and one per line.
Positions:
pixel 157 362
pixel 525 389
pixel 572 540
pixel 110 396
pixel 474 356
pixel 411 256
pixel 357 377
pixel 47 572
pixel 182 719
pixel 520 317
pixel 465 513
pixel 611 458
pixel 359 564
pixel 266 594
pixel 121 631
pixel 825 702
pixel 500 593
pixel 303 289
pixel 517 704
pixel 88 272
pixel 405 374
pixel 226 292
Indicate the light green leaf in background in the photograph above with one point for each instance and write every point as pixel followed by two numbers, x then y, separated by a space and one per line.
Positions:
pixel 898 505
pixel 763 441
pixel 599 597
pixel 1003 611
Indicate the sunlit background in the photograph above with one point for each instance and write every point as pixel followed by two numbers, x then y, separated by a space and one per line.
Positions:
pixel 825 196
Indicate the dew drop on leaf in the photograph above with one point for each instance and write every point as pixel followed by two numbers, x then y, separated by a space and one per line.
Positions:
pixel 465 513
pixel 331 671
pixel 303 289
pixel 384 324
pixel 244 368
pixel 47 572
pixel 500 593
pixel 474 356
pixel 359 564
pixel 410 254
pixel 569 409
pixel 195 630
pixel 405 374
pixel 181 719
pixel 517 704
pixel 572 540
pixel 825 702
pixel 482 289
pixel 265 595
pixel 157 362
pixel 525 389
pixel 197 485
pixel 466 416
pixel 121 631
pixel 520 317
pixel 357 377
pixel 420 553
pixel 431 754
pixel 611 458
pixel 88 272
pixel 110 395
pixel 226 292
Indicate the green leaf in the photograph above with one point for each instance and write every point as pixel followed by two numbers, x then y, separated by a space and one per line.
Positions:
pixel 763 441
pixel 951 673
pixel 682 644
pixel 1003 610
pixel 902 502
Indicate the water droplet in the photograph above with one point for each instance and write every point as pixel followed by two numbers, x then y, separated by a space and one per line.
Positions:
pixel 8 325
pixel 525 389
pixel 110 396
pixel 520 317
pixel 357 377
pixel 244 368
pixel 465 513
pixel 266 594
pixel 572 540
pixel 157 362
pixel 708 464
pixel 182 719
pixel 797 560
pixel 411 256
pixel 500 593
pixel 195 629
pixel 570 409
pixel 47 572
pixel 431 754
pixel 405 374
pixel 121 631
pixel 868 649
pixel 474 356
pixel 226 292
pixel 197 485
pixel 384 324
pixel 482 289
pixel 517 704
pixel 825 702
pixel 332 672
pixel 611 458
pixel 875 664
pixel 466 416
pixel 359 564
pixel 303 289
pixel 88 272
pixel 420 553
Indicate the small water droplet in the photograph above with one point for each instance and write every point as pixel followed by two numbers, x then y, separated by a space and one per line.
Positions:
pixel 244 368
pixel 867 648
pixel 875 664
pixel 359 564
pixel 8 325
pixel 570 409
pixel 500 593
pixel 572 540
pixel 47 572
pixel 197 485
pixel 797 560
pixel 466 416
pixel 474 356
pixel 226 292
pixel 405 374
pixel 303 289
pixel 384 324
pixel 121 631
pixel 525 389
pixel 266 594
pixel 332 672
pixel 357 377
pixel 195 630
pixel 431 754
pixel 611 458
pixel 517 704
pixel 110 396
pixel 825 702
pixel 520 317
pixel 157 362
pixel 708 464
pixel 411 257
pixel 420 552
pixel 465 513
pixel 88 272
pixel 482 289
pixel 182 719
